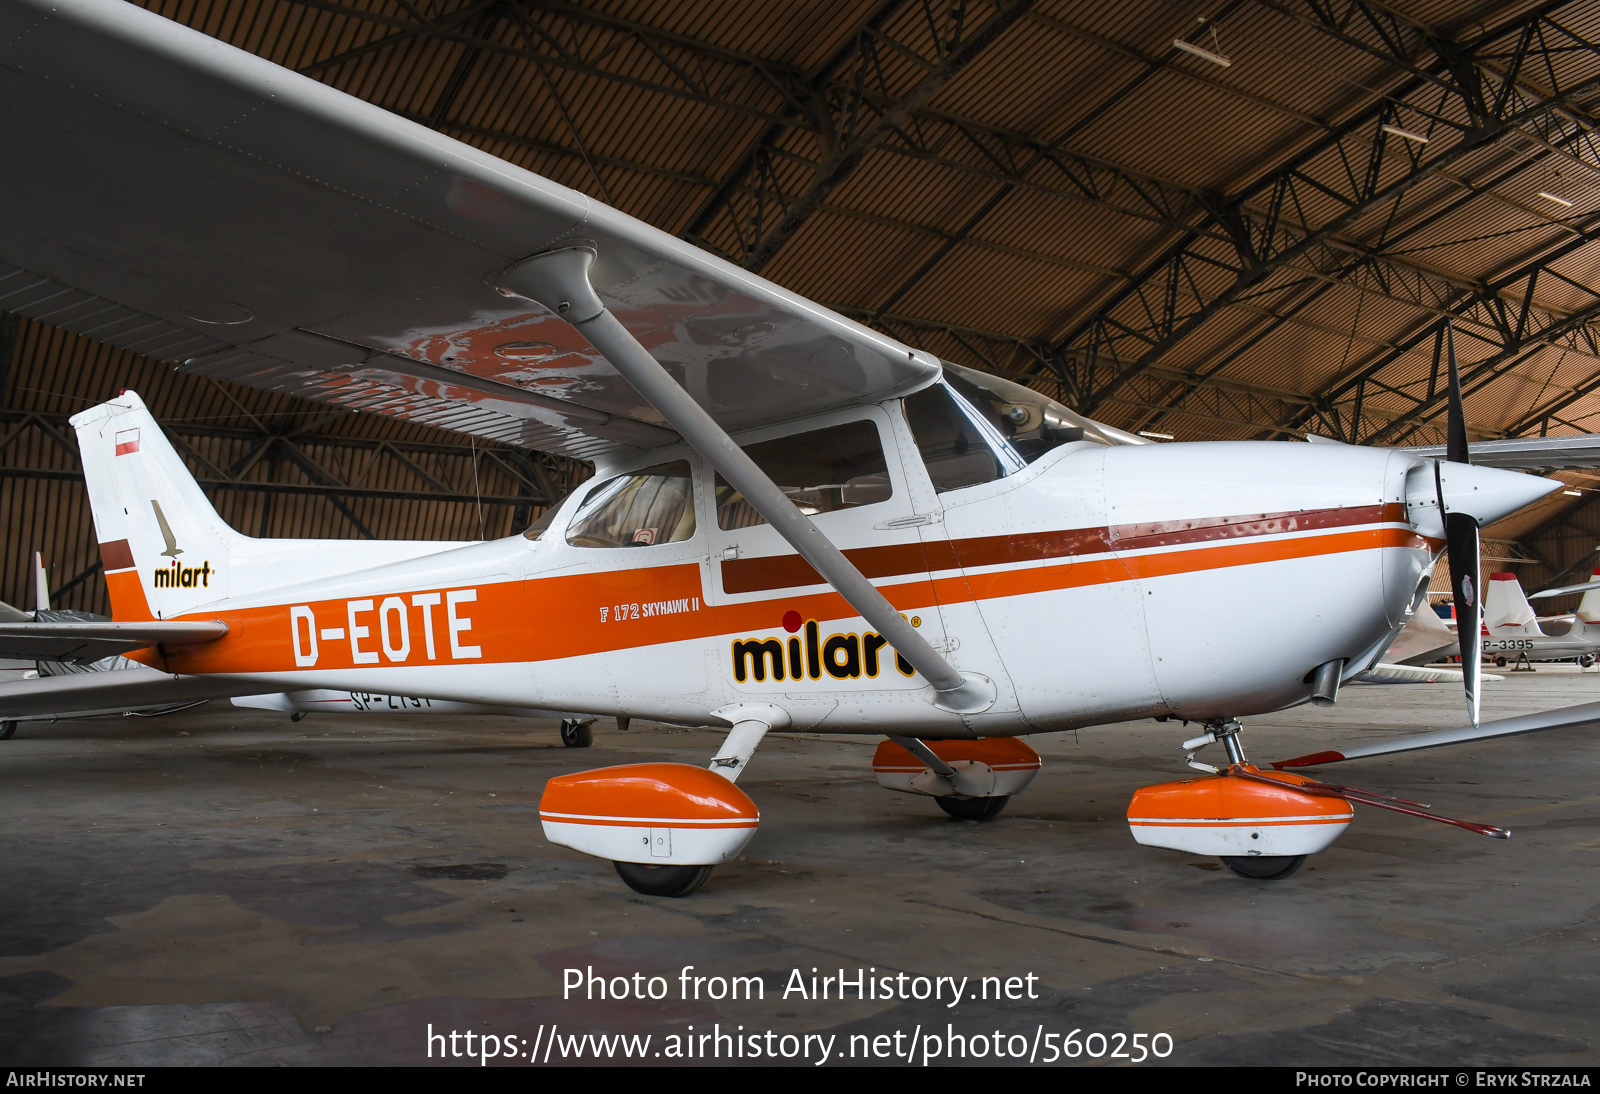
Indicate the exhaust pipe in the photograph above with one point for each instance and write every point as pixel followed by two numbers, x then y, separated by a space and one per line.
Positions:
pixel 1325 682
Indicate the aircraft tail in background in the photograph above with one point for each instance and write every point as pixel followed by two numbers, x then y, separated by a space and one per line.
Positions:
pixel 1506 611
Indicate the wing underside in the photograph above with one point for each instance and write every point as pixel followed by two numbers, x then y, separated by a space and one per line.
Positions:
pixel 190 201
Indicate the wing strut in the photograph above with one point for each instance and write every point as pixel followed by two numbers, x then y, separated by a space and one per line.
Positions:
pixel 559 280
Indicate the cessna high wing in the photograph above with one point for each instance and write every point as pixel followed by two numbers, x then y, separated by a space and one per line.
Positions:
pixel 795 522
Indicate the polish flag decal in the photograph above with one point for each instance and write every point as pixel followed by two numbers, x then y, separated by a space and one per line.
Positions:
pixel 127 441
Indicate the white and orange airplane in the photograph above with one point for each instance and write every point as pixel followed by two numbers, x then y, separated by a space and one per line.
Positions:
pixel 795 522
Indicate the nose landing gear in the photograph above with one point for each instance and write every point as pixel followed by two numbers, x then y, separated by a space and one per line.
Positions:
pixel 1258 823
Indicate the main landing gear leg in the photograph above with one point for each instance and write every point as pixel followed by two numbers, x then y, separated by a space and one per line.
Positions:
pixel 956 807
pixel 1255 867
pixel 751 721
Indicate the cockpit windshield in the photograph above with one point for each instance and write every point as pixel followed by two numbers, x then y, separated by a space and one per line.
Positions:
pixel 974 428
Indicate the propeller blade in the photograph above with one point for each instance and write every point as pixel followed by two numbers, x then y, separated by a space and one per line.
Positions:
pixel 1461 543
pixel 1455 448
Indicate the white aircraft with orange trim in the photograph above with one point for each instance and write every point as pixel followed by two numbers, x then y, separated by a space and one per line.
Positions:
pixel 795 522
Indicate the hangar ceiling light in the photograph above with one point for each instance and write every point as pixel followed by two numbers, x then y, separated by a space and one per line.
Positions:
pixel 1557 198
pixel 1203 54
pixel 1406 133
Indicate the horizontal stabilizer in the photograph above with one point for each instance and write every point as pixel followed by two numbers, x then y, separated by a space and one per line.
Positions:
pixel 91 641
pixel 126 689
pixel 1562 718
pixel 1565 590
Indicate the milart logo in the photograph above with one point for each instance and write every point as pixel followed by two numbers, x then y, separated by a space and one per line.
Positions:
pixel 179 576
pixel 176 575
pixel 841 656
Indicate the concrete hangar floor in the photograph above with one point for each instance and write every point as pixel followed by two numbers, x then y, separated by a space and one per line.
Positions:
pixel 225 886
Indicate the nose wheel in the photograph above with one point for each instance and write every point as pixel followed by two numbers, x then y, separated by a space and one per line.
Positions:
pixel 1264 867
pixel 1234 812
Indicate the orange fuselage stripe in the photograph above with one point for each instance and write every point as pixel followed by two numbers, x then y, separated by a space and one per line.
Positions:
pixel 554 617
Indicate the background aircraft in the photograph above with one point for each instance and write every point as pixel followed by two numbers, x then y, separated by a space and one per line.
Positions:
pixel 1513 632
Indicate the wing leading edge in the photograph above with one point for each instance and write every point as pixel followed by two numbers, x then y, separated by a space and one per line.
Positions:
pixel 197 203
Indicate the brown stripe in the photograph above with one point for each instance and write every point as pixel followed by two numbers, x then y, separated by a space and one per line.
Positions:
pixel 749 575
pixel 116 555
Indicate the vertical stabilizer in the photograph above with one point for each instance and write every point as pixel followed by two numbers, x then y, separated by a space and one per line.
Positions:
pixel 164 548
pixel 1589 606
pixel 41 583
pixel 1506 610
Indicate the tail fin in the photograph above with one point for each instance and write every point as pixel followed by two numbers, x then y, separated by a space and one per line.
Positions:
pixel 164 548
pixel 41 583
pixel 1506 610
pixel 1589 606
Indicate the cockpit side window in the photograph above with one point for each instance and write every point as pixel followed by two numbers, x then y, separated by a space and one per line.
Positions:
pixel 638 509
pixel 821 471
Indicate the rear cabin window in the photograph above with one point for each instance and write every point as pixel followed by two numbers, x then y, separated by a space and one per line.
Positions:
pixel 821 471
pixel 639 509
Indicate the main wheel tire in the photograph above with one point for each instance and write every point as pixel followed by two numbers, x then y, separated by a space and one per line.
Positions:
pixel 8 730
pixel 577 734
pixel 641 877
pixel 1264 867
pixel 1586 661
pixel 973 809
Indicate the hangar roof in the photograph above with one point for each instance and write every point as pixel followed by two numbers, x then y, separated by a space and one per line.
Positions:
pixel 1083 194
